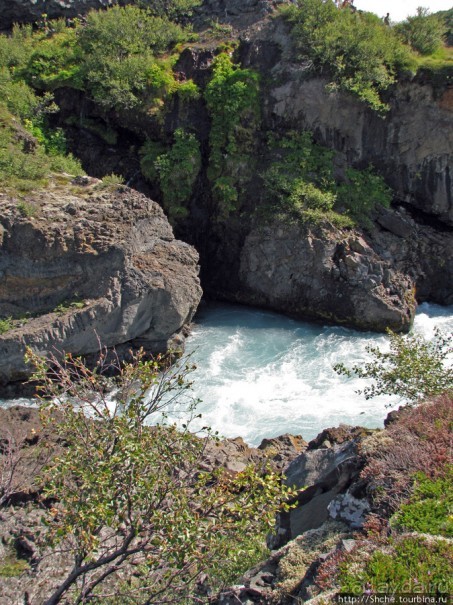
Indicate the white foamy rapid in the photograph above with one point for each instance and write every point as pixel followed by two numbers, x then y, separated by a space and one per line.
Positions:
pixel 261 374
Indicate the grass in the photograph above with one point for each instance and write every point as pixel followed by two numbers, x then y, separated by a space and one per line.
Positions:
pixel 66 306
pixel 11 567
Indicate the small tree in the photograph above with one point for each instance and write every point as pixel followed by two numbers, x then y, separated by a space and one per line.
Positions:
pixel 424 32
pixel 413 368
pixel 140 518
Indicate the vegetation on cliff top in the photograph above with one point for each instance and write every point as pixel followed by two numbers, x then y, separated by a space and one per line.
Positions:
pixel 357 51
pixel 123 59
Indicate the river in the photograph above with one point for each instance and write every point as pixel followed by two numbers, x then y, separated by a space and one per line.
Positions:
pixel 260 374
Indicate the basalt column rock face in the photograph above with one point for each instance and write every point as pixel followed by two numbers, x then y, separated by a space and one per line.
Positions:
pixel 411 145
pixel 326 274
pixel 90 266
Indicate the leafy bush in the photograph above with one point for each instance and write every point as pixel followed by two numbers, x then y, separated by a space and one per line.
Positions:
pixel 6 325
pixel 54 62
pixel 232 97
pixel 127 493
pixel 423 32
pixel 177 171
pixel 359 53
pixel 110 182
pixel 414 368
pixel 300 182
pixel 118 49
pixel 149 152
pixel 361 193
pixel 300 178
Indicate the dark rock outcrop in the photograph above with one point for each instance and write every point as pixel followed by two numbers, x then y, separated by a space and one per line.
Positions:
pixel 91 266
pixel 323 476
pixel 29 11
pixel 326 274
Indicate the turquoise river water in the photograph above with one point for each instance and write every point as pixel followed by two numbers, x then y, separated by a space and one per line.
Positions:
pixel 260 374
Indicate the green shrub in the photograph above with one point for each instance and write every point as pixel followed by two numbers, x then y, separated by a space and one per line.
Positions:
pixel 429 510
pixel 361 193
pixel 232 98
pixel 411 564
pixel 132 503
pixel 55 61
pixel 356 50
pixel 177 171
pixel 110 181
pixel 6 325
pixel 11 567
pixel 423 32
pixel 413 368
pixel 149 152
pixel 118 50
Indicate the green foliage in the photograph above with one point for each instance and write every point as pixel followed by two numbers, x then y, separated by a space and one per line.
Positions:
pixel 149 153
pixel 300 179
pixel 447 18
pixel 300 184
pixel 429 510
pixel 54 61
pixel 16 48
pixel 423 32
pixel 110 181
pixel 361 55
pixel 130 492
pixel 6 325
pixel 361 193
pixel 412 564
pixel 114 56
pixel 26 209
pixel 66 306
pixel 118 49
pixel 26 161
pixel 413 368
pixel 177 171
pixel 11 567
pixel 232 97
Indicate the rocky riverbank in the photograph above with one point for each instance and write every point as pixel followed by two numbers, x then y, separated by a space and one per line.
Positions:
pixel 81 265
pixel 348 482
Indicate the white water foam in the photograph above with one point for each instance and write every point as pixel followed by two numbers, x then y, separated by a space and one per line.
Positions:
pixel 261 374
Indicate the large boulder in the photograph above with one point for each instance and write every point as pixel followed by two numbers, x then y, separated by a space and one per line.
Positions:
pixel 82 266
pixel 325 273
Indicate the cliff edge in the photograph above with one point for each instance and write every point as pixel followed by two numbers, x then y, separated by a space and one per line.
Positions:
pixel 82 265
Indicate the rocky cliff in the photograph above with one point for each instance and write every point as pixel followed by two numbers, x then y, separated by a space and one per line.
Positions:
pixel 321 273
pixel 81 265
pixel 405 252
pixel 30 11
pixel 370 277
